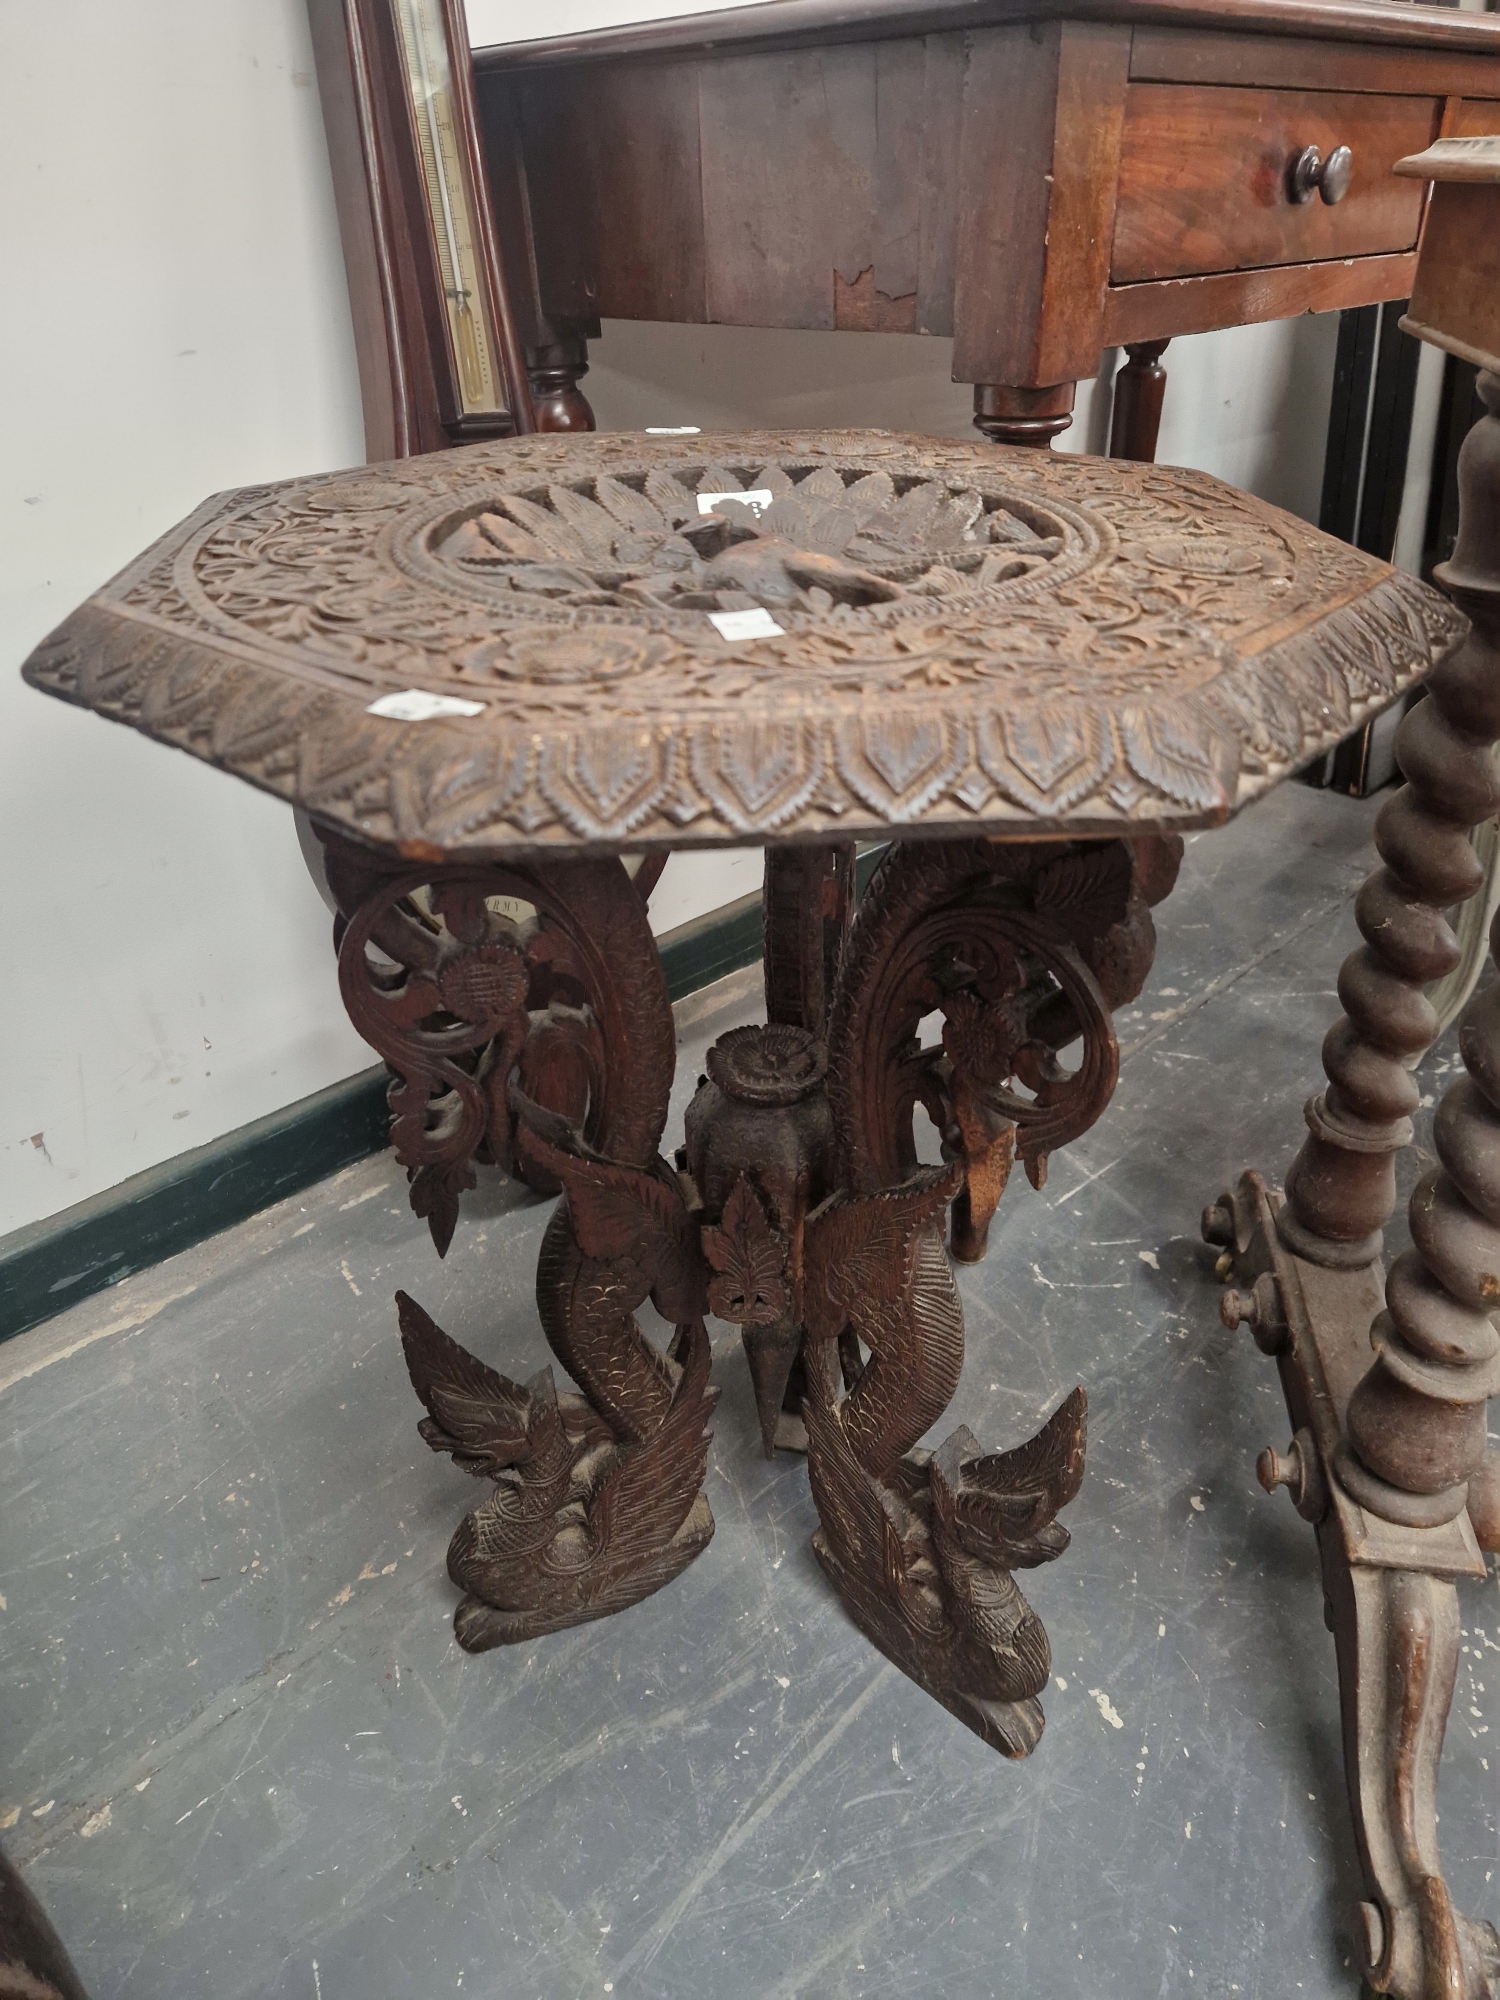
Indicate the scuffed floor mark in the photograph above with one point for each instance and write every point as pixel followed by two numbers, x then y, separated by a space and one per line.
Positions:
pixel 131 1322
pixel 1107 1708
pixel 1148 1257
pixel 349 1277
pixel 743 1827
pixel 96 1822
pixel 1061 1200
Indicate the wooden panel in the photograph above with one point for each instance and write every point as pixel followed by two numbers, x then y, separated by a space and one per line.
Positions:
pixel 1203 178
pixel 1472 119
pixel 1038 163
pixel 644 168
pixel 942 123
pixel 896 251
pixel 1239 298
pixel 788 145
pixel 1456 298
pixel 610 186
pixel 1176 55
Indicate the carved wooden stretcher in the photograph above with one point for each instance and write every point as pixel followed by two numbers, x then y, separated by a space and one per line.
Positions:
pixel 1028 673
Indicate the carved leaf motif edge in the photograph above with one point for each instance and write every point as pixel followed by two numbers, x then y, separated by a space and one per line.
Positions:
pixel 1162 650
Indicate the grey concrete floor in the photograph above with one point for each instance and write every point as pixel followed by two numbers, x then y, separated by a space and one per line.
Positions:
pixel 240 1753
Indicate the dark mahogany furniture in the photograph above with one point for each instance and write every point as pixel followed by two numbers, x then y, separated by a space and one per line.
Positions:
pixel 1039 179
pixel 486 673
pixel 1389 1458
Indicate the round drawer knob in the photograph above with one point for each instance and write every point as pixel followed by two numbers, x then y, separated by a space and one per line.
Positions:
pixel 1310 173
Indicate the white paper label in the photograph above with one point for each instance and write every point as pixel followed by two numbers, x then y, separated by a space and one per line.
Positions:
pixel 758 499
pixel 416 705
pixel 756 624
pixel 672 430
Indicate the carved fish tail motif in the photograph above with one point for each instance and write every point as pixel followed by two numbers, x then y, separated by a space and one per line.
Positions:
pixel 546 1039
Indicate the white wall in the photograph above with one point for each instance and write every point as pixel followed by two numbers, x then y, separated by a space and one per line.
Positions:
pixel 175 323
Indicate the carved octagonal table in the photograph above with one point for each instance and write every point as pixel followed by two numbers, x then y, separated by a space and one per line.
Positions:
pixel 1026 672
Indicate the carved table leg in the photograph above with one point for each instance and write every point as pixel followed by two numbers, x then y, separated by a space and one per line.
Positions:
pixel 824 1228
pixel 524 1011
pixel 1385 1451
pixel 1139 389
pixel 555 373
pixel 807 902
pixel 1010 415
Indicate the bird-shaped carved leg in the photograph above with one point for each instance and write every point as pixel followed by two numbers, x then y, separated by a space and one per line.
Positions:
pixel 921 1547
pixel 589 1512
pixel 597 1497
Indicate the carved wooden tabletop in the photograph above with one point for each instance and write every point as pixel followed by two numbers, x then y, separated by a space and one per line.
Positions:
pixel 959 640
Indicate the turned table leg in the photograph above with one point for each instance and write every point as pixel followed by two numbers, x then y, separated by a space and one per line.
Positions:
pixel 1139 389
pixel 555 373
pixel 1386 1452
pixel 1007 414
pixel 1417 1421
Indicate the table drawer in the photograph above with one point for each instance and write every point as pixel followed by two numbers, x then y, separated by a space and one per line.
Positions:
pixel 1204 178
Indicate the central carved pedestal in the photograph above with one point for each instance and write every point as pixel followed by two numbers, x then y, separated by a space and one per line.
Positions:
pixel 525 1015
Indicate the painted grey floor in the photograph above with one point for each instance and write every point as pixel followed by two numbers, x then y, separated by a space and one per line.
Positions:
pixel 240 1753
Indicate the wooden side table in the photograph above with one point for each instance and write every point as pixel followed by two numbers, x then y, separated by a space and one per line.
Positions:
pixel 485 673
pixel 1039 179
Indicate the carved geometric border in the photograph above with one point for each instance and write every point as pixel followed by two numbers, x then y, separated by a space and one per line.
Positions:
pixel 967 757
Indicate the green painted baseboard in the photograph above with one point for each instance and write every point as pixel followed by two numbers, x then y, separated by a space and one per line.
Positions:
pixel 54 1263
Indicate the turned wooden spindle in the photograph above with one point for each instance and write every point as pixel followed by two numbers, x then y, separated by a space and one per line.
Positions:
pixel 1342 1187
pixel 554 373
pixel 1417 1421
pixel 1007 414
pixel 1139 389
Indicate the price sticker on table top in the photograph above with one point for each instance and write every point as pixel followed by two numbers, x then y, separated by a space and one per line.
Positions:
pixel 758 499
pixel 756 624
pixel 417 705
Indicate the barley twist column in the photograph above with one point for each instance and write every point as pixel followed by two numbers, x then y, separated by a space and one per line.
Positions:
pixel 1416 1422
